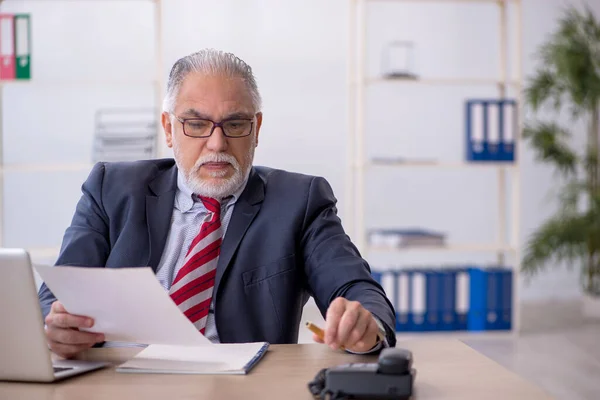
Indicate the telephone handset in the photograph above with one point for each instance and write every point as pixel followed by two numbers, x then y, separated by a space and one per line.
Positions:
pixel 391 377
pixel 395 361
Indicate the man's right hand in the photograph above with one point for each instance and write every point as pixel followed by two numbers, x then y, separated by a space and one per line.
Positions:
pixel 63 334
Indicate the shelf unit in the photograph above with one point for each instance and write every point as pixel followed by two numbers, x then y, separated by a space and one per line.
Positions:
pixel 158 82
pixel 441 81
pixel 360 166
pixel 450 247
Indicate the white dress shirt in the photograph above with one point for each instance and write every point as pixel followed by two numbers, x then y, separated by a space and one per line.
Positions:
pixel 188 213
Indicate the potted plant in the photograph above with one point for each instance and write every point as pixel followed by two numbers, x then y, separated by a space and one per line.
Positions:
pixel 568 81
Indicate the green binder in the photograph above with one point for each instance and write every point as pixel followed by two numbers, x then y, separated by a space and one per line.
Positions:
pixel 22 39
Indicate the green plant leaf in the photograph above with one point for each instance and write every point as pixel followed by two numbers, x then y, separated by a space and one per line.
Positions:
pixel 543 88
pixel 548 141
pixel 562 238
pixel 571 63
pixel 570 196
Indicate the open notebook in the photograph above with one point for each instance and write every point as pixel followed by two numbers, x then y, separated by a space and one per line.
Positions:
pixel 230 358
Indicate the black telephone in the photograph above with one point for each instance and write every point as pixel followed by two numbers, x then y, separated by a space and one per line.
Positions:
pixel 392 377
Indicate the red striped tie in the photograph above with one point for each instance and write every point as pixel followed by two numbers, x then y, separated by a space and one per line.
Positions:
pixel 192 288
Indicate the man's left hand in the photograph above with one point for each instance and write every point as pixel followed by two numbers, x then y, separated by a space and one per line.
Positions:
pixel 349 324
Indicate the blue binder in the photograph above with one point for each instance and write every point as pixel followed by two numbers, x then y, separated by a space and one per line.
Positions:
pixel 417 300
pixel 493 297
pixel 402 301
pixel 378 275
pixel 499 298
pixel 477 299
pixel 447 307
pixel 506 299
pixel 479 126
pixel 432 300
pixel 462 298
pixel 508 123
pixel 463 294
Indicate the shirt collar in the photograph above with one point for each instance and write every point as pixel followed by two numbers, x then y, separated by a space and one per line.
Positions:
pixel 185 199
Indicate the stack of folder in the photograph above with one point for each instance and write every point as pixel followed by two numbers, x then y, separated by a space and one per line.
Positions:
pixel 461 298
pixel 491 126
pixel 15 47
pixel 400 238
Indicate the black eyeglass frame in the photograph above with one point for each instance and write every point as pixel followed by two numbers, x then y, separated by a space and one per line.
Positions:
pixel 215 125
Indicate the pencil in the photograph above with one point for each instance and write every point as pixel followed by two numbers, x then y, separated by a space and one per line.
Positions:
pixel 318 331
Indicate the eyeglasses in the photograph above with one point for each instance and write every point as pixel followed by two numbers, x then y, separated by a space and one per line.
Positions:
pixel 202 128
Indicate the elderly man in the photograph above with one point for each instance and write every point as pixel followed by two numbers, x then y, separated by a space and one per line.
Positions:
pixel 238 248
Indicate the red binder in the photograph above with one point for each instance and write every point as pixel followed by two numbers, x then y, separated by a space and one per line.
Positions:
pixel 7 47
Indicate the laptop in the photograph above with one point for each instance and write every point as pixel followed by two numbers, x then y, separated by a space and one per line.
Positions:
pixel 24 353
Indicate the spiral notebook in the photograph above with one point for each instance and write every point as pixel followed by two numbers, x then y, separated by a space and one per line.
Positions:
pixel 229 358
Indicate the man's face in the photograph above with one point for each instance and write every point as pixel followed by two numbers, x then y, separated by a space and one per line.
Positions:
pixel 213 166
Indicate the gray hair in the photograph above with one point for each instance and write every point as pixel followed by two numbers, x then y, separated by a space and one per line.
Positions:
pixel 210 61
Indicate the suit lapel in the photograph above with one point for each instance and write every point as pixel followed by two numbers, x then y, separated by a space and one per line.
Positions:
pixel 244 212
pixel 159 209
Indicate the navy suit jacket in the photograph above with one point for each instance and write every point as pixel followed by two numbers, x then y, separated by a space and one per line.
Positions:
pixel 283 244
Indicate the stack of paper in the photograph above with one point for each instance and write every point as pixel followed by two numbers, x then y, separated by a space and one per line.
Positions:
pixel 235 358
pixel 129 305
pixel 406 238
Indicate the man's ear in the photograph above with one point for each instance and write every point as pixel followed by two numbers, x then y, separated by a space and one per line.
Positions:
pixel 168 128
pixel 258 125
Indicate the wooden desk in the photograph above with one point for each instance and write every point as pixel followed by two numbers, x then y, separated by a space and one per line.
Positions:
pixel 447 369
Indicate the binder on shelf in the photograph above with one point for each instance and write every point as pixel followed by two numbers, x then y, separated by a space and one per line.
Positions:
pixel 395 286
pixel 490 130
pixel 447 307
pixel 432 300
pixel 476 315
pixel 476 143
pixel 417 302
pixel 22 46
pixel 506 302
pixel 449 298
pixel 508 121
pixel 388 283
pixel 7 47
pixel 493 131
pixel 501 307
pixel 463 295
pixel 403 301
pixel 493 298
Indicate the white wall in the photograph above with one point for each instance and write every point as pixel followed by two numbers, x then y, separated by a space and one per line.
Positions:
pixel 85 52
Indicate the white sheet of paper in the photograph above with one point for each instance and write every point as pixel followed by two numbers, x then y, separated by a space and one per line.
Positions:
pixel 127 304
pixel 219 358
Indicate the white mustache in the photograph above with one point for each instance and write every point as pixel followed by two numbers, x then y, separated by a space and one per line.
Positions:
pixel 217 157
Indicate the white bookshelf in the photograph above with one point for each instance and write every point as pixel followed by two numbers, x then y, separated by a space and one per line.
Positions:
pixel 360 168
pixel 436 164
pixel 157 82
pixel 440 81
pixel 450 247
pixel 441 1
pixel 457 335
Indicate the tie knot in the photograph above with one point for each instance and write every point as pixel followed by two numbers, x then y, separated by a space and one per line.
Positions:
pixel 211 204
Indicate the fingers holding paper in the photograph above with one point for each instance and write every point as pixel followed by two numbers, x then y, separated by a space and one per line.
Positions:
pixel 63 335
pixel 350 325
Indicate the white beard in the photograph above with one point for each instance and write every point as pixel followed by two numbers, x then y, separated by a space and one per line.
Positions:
pixel 220 187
